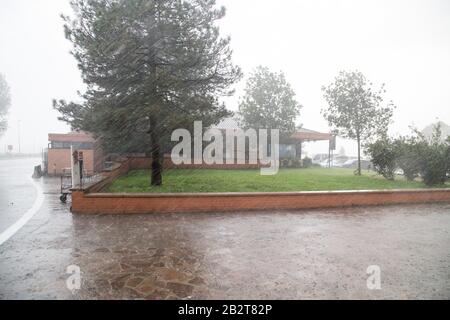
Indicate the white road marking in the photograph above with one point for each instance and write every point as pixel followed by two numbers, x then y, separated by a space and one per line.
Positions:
pixel 8 233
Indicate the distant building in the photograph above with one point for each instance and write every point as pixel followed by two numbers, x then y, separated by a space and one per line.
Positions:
pixel 428 131
pixel 57 156
pixel 292 148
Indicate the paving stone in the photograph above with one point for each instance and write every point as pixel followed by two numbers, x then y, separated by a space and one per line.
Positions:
pixel 134 282
pixel 180 289
pixel 244 255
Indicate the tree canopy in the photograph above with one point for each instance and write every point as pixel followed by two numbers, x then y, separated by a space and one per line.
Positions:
pixel 269 102
pixel 356 110
pixel 5 101
pixel 150 67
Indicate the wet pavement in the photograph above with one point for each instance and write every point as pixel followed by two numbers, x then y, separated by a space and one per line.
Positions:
pixel 306 254
pixel 16 190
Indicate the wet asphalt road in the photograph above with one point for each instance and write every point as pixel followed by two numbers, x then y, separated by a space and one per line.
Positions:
pixel 307 254
pixel 17 193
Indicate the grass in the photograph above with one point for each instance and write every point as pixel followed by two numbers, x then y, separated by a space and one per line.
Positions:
pixel 209 180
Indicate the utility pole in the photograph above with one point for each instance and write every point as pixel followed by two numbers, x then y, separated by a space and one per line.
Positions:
pixel 18 133
pixel 329 153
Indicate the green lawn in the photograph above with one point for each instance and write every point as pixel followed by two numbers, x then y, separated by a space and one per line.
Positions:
pixel 209 180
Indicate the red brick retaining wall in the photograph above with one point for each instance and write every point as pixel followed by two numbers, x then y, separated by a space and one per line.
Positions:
pixel 92 201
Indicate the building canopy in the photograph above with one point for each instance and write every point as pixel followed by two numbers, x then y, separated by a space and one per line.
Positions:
pixel 300 135
pixel 303 134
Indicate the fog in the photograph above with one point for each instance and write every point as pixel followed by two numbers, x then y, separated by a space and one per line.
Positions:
pixel 404 44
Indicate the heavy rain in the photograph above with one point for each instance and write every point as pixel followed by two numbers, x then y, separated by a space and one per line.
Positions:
pixel 227 150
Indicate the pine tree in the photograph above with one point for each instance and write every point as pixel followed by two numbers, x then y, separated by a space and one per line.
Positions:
pixel 150 67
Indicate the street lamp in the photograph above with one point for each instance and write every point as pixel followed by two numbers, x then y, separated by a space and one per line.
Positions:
pixel 18 133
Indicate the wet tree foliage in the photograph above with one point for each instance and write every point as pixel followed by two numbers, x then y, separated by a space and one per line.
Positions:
pixel 149 67
pixel 355 109
pixel 5 101
pixel 414 156
pixel 269 102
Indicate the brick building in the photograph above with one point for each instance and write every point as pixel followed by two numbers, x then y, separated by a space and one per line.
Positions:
pixel 57 155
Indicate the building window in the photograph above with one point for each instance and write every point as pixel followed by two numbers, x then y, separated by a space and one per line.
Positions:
pixel 75 145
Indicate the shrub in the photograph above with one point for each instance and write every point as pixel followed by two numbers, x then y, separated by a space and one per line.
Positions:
pixel 434 166
pixel 307 162
pixel 416 156
pixel 383 156
pixel 408 152
pixel 434 159
pixel 296 163
pixel 284 163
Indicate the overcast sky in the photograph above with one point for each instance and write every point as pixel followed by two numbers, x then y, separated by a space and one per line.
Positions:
pixel 404 44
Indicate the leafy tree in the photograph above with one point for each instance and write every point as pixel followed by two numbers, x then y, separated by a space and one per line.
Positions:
pixel 5 101
pixel 355 109
pixel 150 67
pixel 269 102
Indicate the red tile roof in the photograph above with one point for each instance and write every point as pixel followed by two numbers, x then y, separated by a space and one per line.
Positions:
pixel 71 137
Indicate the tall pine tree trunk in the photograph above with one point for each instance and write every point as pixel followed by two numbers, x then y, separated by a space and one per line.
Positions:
pixel 156 179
